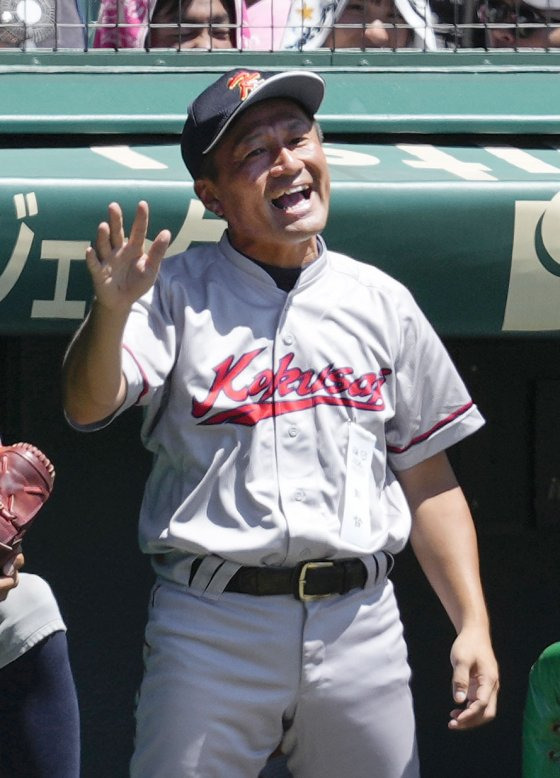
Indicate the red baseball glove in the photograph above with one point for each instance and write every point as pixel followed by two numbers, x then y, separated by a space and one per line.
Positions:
pixel 26 482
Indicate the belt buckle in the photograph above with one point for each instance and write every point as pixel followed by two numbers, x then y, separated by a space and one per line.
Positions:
pixel 301 581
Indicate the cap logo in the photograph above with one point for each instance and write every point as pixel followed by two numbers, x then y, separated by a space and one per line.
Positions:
pixel 245 82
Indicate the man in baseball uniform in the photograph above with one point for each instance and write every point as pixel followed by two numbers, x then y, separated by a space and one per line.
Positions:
pixel 298 407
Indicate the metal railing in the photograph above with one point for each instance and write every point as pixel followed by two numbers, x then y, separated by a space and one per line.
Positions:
pixel 276 25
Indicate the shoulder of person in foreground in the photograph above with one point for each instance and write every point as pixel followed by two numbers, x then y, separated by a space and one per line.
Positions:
pixel 28 614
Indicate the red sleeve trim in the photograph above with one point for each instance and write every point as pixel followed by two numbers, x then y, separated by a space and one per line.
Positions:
pixel 145 383
pixel 429 433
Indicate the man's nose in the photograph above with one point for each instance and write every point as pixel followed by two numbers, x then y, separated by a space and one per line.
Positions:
pixel 377 33
pixel 286 162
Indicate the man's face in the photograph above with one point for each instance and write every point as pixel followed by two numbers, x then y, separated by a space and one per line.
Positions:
pixel 371 26
pixel 203 25
pixel 516 25
pixel 272 183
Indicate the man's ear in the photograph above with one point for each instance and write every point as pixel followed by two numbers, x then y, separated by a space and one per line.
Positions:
pixel 206 193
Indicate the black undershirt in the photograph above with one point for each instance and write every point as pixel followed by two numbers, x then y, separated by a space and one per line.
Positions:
pixel 285 278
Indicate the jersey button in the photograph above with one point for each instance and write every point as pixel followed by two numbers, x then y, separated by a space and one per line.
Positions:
pixel 288 340
pixel 299 495
pixel 292 432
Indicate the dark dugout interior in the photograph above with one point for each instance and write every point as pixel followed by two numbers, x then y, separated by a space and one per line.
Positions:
pixel 84 544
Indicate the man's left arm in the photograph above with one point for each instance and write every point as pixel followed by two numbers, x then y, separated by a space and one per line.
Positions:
pixel 443 538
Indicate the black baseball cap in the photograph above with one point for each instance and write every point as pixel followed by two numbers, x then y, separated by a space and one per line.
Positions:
pixel 213 110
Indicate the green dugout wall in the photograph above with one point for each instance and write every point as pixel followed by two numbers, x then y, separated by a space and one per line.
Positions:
pixel 446 173
pixel 466 144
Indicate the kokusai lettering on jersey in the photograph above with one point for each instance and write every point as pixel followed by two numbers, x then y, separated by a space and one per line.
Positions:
pixel 288 389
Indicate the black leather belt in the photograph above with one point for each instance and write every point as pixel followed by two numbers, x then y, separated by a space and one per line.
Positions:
pixel 307 581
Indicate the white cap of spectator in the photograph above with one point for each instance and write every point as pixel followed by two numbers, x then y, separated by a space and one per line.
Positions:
pixel 545 5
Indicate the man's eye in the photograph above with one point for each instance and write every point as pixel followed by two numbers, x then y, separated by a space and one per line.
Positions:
pixel 254 153
pixel 220 32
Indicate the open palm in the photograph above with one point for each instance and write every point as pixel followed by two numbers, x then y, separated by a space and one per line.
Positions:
pixel 121 268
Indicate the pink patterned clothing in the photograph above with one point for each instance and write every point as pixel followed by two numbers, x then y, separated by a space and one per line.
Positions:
pixel 127 24
pixel 266 20
pixel 124 24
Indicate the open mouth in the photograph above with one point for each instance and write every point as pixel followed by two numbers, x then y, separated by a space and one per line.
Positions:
pixel 292 197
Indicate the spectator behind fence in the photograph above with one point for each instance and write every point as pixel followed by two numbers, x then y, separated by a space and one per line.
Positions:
pixel 266 25
pixel 313 24
pixel 204 24
pixel 367 24
pixel 41 24
pixel 513 25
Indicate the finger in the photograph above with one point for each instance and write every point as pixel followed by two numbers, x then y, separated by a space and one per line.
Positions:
pixel 140 226
pixel 460 683
pixel 116 229
pixel 92 262
pixel 469 718
pixel 157 250
pixel 103 246
pixel 13 564
pixel 8 568
pixel 478 711
pixel 19 561
pixel 156 253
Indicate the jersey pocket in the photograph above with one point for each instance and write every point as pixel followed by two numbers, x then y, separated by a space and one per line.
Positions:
pixel 361 493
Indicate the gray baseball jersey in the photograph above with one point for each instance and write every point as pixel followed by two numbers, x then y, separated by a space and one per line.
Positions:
pixel 277 420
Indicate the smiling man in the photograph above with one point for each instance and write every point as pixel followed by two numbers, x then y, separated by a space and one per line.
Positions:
pixel 298 405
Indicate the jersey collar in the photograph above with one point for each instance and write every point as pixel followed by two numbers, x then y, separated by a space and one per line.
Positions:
pixel 308 275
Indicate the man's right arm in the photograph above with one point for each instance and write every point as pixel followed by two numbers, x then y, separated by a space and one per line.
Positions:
pixel 93 382
pixel 94 386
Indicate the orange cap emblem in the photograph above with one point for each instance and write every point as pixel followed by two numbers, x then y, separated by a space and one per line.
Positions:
pixel 245 82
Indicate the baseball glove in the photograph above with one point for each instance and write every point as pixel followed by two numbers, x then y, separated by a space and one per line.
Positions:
pixel 26 482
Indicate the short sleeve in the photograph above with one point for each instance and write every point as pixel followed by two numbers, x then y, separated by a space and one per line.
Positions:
pixel 148 354
pixel 29 614
pixel 433 409
pixel 149 344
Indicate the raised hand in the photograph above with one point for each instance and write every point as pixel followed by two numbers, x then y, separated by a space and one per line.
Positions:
pixel 122 269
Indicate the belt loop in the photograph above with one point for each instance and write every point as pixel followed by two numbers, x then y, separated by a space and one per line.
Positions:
pixel 379 565
pixel 221 578
pixel 390 563
pixel 205 572
pixel 377 576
